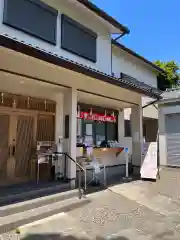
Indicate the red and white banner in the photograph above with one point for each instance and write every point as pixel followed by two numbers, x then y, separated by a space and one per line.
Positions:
pixel 97 117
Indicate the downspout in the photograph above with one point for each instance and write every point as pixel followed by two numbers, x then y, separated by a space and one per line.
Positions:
pixel 151 103
pixel 120 36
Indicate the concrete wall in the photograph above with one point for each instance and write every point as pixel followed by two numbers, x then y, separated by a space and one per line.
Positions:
pixel 103 63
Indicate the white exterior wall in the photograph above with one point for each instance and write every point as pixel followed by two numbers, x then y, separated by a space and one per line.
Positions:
pixel 103 63
pixel 162 137
pixel 128 64
pixel 163 110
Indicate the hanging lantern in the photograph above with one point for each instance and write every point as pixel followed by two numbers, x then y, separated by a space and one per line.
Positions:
pixel 91 112
pixel 78 111
pixel 14 103
pixel 2 98
pixel 105 114
pixel 45 104
pixel 28 103
pixel 112 114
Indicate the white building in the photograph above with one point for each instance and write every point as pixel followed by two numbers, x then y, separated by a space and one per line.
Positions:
pixel 169 128
pixel 126 61
pixel 57 57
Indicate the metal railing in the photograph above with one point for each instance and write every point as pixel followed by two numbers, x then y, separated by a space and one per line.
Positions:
pixel 86 173
pixel 82 184
pixel 79 174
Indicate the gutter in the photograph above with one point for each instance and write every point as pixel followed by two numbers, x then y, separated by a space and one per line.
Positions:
pixel 102 14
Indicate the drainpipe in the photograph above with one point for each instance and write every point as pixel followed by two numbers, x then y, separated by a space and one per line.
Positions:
pixel 120 36
pixel 151 103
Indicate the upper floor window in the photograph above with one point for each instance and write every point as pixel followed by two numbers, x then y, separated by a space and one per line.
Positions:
pixel 78 39
pixel 127 128
pixel 33 17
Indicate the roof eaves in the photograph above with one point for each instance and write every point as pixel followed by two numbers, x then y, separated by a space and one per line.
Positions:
pixel 152 91
pixel 128 50
pixel 91 6
pixel 125 81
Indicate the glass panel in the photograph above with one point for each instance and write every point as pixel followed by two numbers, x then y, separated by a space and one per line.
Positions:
pixel 100 133
pixel 111 131
pixel 79 127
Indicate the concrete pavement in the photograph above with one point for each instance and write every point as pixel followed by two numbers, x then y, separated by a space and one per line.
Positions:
pixel 137 210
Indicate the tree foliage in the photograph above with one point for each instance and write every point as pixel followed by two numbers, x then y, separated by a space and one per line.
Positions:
pixel 171 76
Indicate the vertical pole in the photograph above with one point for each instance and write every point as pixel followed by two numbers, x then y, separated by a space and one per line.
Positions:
pixel 127 162
pixel 85 180
pixel 104 175
pixel 37 173
pixel 127 167
pixel 65 164
pixel 79 180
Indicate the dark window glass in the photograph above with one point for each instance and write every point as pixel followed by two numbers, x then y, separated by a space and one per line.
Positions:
pixel 127 126
pixel 78 39
pixel 144 129
pixel 100 132
pixel 66 127
pixel 111 131
pixel 33 17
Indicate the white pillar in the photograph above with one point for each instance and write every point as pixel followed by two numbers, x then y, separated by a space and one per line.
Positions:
pixel 137 138
pixel 59 117
pixel 70 109
pixel 59 164
pixel 121 126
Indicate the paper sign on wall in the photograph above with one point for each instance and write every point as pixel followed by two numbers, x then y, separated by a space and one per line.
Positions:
pixel 89 129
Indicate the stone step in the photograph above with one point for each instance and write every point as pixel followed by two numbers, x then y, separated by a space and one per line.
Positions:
pixel 37 202
pixel 33 193
pixel 13 221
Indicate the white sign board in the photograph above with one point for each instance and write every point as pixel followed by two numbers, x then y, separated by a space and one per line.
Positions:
pixel 149 161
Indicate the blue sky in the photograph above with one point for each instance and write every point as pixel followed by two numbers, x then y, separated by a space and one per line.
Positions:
pixel 154 26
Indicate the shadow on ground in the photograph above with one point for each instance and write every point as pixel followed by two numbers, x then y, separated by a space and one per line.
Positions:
pixel 60 237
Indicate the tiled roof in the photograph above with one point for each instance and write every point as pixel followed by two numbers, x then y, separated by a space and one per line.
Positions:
pixel 124 81
pixel 154 91
pixel 172 93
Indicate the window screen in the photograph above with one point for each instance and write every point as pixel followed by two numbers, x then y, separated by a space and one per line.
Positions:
pixel 78 39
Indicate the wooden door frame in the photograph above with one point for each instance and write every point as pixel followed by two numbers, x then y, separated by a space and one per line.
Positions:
pixel 13 114
pixel 25 112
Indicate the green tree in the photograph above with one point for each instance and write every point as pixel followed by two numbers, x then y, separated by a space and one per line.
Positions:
pixel 171 76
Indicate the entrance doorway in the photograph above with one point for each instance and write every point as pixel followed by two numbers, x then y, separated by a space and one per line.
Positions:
pixel 19 132
pixel 17 140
